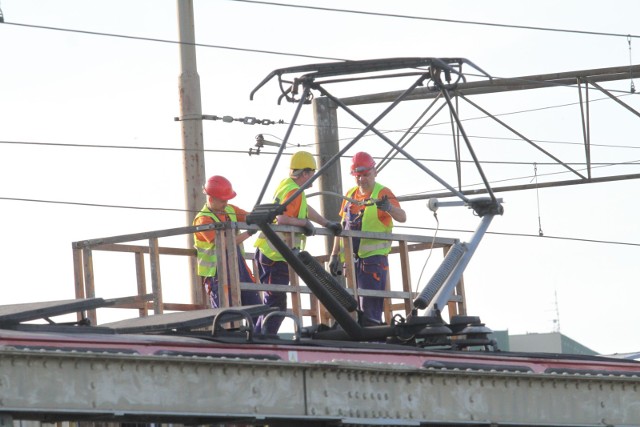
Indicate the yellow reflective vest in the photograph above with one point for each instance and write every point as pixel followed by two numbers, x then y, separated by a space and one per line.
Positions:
pixel 206 251
pixel 371 222
pixel 262 243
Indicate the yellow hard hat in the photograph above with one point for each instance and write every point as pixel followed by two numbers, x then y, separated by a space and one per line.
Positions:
pixel 303 160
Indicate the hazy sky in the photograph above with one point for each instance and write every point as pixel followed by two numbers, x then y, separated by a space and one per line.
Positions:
pixel 87 129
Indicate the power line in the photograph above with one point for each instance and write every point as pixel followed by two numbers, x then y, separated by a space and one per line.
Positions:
pixel 575 239
pixel 97 205
pixel 451 21
pixel 398 226
pixel 499 162
pixel 151 39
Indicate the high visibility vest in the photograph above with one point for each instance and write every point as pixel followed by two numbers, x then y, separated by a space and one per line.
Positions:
pixel 371 222
pixel 206 251
pixel 262 243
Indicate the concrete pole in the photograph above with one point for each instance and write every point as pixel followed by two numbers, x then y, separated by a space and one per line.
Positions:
pixel 326 120
pixel 191 123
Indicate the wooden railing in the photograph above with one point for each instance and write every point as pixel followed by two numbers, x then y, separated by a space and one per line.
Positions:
pixel 396 300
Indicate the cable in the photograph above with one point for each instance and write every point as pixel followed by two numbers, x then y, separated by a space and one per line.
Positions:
pixel 150 39
pixel 535 172
pixel 577 239
pixel 451 21
pixel 632 89
pixel 16 199
pixel 433 160
pixel 396 226
pixel 435 215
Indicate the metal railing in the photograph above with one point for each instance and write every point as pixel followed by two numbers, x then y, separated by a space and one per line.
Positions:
pixel 144 301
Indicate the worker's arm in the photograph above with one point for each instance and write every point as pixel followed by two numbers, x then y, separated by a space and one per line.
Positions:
pixel 316 217
pixel 389 203
pixel 398 214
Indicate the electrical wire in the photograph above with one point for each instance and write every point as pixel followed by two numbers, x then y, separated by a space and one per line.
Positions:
pixel 98 205
pixel 426 261
pixel 451 21
pixel 396 226
pixel 151 39
pixel 271 153
pixel 497 233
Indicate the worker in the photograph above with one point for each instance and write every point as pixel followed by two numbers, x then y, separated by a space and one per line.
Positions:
pixel 369 206
pixel 272 267
pixel 219 191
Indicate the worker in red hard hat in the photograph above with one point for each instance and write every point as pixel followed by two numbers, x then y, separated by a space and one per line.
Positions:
pixel 372 207
pixel 272 266
pixel 219 191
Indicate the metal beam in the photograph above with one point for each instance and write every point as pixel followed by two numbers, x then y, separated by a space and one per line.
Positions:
pixel 521 187
pixel 568 78
pixel 51 386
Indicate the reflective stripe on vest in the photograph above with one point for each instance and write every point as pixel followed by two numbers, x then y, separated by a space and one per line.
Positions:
pixel 206 251
pixel 266 247
pixel 371 222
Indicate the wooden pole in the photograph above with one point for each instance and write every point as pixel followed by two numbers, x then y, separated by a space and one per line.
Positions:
pixel 191 123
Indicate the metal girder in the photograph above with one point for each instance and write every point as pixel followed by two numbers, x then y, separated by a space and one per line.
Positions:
pixel 508 84
pixel 50 386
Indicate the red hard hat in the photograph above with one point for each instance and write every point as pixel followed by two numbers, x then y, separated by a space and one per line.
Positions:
pixel 219 187
pixel 361 162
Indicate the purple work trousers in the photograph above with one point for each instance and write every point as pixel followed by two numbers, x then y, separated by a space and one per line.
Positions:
pixel 371 273
pixel 272 273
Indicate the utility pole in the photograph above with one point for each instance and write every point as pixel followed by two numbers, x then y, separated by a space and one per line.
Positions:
pixel 191 124
pixel 327 143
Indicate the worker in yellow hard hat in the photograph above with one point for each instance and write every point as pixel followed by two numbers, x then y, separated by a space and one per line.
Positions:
pixel 272 267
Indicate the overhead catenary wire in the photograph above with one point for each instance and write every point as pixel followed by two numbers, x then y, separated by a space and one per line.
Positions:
pixel 271 52
pixel 498 233
pixel 451 21
pixel 157 40
pixel 612 242
pixel 244 152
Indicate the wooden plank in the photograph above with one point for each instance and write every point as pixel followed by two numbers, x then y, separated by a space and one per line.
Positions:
pixel 78 277
pixel 141 281
pixel 156 282
pixel 89 284
pixel 232 257
pixel 118 247
pixel 406 275
pixel 294 281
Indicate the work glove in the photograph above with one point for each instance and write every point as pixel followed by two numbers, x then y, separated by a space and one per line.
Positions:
pixel 335 227
pixel 383 204
pixel 251 232
pixel 335 266
pixel 309 229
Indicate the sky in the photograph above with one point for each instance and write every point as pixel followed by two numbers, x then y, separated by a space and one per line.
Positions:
pixel 89 146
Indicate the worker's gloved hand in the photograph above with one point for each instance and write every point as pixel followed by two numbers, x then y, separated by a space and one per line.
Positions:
pixel 309 229
pixel 335 227
pixel 383 204
pixel 335 266
pixel 251 232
